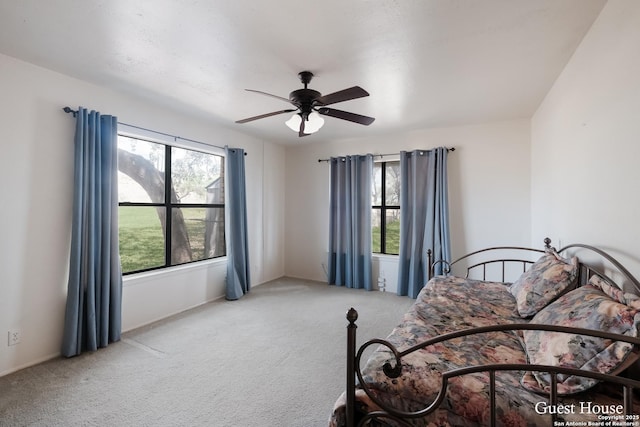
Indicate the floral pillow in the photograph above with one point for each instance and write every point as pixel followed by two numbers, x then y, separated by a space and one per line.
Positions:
pixel 543 282
pixel 597 306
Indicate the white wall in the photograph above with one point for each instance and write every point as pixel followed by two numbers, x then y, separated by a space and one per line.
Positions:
pixel 36 171
pixel 570 173
pixel 489 190
pixel 586 141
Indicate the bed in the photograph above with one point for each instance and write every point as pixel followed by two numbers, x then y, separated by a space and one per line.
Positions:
pixel 535 337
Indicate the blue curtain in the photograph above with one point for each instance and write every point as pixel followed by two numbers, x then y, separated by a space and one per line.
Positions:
pixel 94 295
pixel 238 278
pixel 424 217
pixel 350 262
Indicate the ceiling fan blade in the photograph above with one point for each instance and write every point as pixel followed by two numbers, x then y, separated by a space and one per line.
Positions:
pixel 345 115
pixel 268 94
pixel 342 95
pixel 262 116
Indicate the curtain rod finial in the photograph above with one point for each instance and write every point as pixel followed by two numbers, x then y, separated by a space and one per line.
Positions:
pixel 69 110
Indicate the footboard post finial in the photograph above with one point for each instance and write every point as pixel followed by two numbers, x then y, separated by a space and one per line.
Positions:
pixel 547 243
pixel 429 264
pixel 352 316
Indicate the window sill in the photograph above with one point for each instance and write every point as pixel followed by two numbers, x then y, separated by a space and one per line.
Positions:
pixel 136 278
pixel 386 256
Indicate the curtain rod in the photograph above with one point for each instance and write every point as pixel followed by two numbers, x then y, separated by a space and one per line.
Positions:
pixel 69 110
pixel 385 155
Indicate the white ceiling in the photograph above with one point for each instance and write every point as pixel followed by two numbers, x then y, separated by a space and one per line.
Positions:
pixel 426 63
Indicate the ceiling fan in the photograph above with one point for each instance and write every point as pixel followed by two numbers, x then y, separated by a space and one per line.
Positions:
pixel 311 104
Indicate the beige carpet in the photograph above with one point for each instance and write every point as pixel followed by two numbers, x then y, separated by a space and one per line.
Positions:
pixel 274 358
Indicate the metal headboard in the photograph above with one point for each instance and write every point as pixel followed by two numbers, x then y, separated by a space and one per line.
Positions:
pixel 448 266
pixel 586 271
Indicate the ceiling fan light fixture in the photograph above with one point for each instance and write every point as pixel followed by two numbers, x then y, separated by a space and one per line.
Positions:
pixel 314 123
pixel 294 122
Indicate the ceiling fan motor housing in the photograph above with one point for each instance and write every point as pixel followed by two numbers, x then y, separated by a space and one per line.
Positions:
pixel 304 98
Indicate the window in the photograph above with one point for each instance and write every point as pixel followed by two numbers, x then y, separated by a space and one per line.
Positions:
pixel 192 198
pixel 385 205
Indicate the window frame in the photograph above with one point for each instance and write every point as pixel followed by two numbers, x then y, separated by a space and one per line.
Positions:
pixel 384 207
pixel 168 205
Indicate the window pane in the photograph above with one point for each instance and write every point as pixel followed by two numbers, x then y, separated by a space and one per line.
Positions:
pixel 196 177
pixel 214 238
pixel 376 185
pixel 141 238
pixel 376 231
pixel 392 231
pixel 140 171
pixel 392 183
pixel 197 233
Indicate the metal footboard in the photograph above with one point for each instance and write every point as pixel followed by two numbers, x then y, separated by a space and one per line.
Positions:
pixel 394 370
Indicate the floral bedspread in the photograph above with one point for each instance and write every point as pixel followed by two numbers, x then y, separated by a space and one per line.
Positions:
pixel 448 304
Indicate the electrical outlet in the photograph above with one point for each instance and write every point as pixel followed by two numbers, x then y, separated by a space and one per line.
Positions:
pixel 13 337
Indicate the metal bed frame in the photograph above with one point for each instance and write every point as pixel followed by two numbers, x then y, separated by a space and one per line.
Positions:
pixel 354 355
